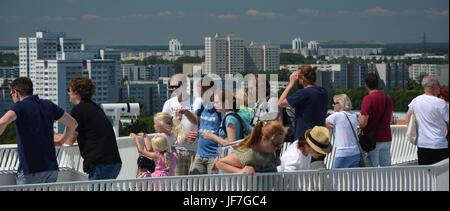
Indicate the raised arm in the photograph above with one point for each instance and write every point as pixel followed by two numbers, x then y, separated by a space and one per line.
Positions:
pixel 293 79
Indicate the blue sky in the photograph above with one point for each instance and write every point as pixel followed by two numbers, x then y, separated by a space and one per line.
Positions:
pixel 155 22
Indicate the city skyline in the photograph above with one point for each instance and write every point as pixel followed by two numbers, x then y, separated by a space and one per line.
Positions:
pixel 155 22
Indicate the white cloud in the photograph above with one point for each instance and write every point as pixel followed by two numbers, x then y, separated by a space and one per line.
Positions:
pixel 259 14
pixel 436 13
pixel 378 11
pixel 89 17
pixel 171 14
pixel 57 18
pixel 228 17
pixel 307 12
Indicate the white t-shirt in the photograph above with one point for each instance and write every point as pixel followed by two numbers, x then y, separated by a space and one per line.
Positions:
pixel 345 141
pixel 431 115
pixel 293 160
pixel 172 105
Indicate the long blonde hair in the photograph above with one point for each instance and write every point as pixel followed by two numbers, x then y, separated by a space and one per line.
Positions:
pixel 171 124
pixel 161 145
pixel 270 130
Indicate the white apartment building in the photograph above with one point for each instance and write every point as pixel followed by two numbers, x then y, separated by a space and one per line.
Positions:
pixel 175 46
pixel 314 47
pixel 44 46
pixel 297 44
pixel 262 57
pixel 440 70
pixel 224 54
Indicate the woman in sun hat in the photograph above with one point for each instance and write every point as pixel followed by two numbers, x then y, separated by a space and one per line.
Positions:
pixel 318 139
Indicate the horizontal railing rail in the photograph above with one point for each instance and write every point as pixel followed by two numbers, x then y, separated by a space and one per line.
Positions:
pixel 399 178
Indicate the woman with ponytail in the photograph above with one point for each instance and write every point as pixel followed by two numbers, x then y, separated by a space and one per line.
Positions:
pixel 257 152
pixel 310 101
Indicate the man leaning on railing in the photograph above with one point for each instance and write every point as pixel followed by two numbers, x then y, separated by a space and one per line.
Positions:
pixel 34 122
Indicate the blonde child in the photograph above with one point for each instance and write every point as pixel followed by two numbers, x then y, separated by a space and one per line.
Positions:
pixel 164 124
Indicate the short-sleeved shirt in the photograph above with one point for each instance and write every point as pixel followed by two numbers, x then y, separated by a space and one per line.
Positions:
pixel 34 129
pixel 310 108
pixel 373 106
pixel 96 137
pixel 231 120
pixel 172 105
pixel 261 162
pixel 209 122
pixel 293 160
pixel 344 133
pixel 432 118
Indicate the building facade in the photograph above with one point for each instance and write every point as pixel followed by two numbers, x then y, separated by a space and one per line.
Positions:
pixel 262 57
pixel 224 54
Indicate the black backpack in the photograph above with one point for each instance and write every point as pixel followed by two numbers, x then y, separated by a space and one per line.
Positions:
pixel 288 118
pixel 244 130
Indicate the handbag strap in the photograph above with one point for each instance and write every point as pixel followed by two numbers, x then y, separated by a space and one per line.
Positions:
pixel 353 130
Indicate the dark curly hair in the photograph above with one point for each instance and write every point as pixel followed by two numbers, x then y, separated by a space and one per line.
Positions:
pixel 83 86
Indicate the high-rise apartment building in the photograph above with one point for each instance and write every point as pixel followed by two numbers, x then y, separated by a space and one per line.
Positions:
pixel 224 54
pixel 262 57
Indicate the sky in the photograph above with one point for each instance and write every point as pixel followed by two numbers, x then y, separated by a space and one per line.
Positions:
pixel 155 22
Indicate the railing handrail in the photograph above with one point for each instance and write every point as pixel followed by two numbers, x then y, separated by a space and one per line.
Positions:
pixel 321 180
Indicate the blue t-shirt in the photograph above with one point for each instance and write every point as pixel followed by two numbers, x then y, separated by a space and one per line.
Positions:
pixel 34 131
pixel 231 120
pixel 310 108
pixel 209 122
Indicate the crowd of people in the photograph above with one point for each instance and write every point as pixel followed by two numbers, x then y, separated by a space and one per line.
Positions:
pixel 190 129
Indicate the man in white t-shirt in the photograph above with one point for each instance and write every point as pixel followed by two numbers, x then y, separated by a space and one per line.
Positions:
pixel 182 105
pixel 432 119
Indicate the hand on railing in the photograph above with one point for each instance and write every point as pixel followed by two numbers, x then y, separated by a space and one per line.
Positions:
pixel 248 170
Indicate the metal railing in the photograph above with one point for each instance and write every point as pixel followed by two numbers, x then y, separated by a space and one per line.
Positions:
pixel 403 178
pixel 401 150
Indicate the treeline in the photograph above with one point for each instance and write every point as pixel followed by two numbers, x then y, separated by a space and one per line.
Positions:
pixel 7 60
pixel 178 64
pixel 294 58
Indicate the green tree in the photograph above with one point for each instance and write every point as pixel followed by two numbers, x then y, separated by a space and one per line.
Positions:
pixel 144 124
pixel 9 135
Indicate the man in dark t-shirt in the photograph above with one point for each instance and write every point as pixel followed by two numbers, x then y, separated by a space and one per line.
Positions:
pixel 95 134
pixel 34 130
pixel 376 115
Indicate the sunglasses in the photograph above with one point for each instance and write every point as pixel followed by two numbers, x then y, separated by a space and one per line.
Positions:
pixel 175 86
pixel 335 103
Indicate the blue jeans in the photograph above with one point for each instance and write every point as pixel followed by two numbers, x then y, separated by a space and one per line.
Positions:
pixel 381 155
pixel 347 162
pixel 39 177
pixel 105 171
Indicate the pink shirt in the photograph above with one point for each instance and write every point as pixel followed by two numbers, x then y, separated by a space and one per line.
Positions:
pixel 160 169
